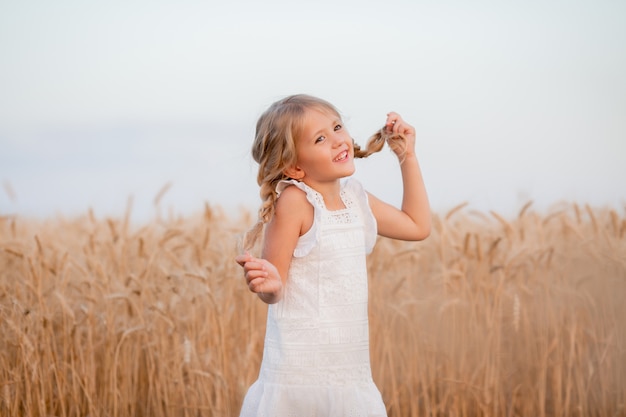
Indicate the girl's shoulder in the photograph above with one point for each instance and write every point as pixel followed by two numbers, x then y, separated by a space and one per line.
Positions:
pixel 296 192
pixel 292 189
pixel 291 197
pixel 287 184
pixel 293 205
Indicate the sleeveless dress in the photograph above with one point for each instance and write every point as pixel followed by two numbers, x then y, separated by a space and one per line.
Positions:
pixel 316 359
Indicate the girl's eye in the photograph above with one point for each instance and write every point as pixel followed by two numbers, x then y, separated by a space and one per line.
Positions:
pixel 338 127
pixel 320 139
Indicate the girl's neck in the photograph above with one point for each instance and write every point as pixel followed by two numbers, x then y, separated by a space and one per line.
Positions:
pixel 333 202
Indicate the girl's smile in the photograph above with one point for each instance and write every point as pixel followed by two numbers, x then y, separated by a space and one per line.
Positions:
pixel 343 156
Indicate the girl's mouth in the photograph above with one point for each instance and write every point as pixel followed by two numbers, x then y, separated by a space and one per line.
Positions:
pixel 341 157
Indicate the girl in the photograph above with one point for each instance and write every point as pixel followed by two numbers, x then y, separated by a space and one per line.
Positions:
pixel 312 270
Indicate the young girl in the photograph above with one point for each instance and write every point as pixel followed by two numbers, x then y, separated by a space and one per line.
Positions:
pixel 312 270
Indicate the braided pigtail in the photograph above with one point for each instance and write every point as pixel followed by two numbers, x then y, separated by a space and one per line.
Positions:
pixel 396 141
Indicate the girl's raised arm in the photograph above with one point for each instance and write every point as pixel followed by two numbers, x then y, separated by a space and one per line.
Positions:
pixel 412 221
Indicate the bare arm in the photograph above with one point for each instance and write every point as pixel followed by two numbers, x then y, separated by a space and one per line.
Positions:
pixel 412 221
pixel 266 276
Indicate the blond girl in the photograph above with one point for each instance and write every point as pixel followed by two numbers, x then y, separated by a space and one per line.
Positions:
pixel 319 224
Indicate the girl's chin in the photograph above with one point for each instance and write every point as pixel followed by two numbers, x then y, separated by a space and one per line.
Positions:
pixel 349 172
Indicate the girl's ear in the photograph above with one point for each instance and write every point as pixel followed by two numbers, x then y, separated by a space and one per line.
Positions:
pixel 294 172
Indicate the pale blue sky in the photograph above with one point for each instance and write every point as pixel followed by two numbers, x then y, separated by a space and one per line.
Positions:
pixel 511 100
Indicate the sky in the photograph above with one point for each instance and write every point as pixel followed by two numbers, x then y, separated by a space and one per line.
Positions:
pixel 103 104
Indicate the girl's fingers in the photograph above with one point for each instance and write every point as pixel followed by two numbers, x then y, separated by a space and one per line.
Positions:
pixel 254 265
pixel 256 273
pixel 243 258
pixel 394 122
pixel 252 284
pixel 249 263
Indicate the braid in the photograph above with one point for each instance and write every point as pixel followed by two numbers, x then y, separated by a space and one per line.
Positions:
pixel 396 141
pixel 268 196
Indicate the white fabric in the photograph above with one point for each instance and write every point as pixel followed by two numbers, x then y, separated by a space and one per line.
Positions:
pixel 316 359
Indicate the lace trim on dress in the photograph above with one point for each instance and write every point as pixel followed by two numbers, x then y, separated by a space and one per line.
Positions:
pixel 353 196
pixel 355 188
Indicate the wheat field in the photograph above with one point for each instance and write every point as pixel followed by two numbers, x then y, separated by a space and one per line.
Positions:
pixel 490 316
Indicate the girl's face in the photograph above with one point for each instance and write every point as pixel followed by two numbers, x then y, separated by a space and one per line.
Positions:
pixel 324 149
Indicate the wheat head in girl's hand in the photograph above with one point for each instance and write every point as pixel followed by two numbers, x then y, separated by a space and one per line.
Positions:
pixel 319 226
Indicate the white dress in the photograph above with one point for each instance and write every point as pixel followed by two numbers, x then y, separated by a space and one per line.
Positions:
pixel 316 359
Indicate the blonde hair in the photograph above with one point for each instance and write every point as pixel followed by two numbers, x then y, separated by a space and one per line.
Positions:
pixel 274 149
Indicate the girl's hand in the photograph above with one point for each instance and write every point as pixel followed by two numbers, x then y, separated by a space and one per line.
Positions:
pixel 395 124
pixel 262 277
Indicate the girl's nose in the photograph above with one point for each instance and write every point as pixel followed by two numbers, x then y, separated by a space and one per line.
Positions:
pixel 337 139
